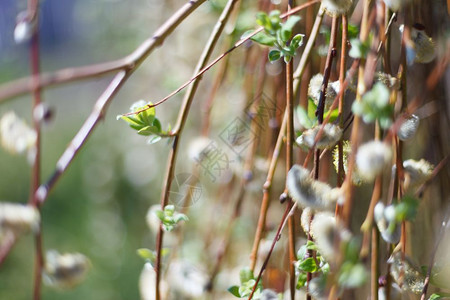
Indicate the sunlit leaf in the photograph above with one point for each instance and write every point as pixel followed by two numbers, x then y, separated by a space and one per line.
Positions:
pixel 264 39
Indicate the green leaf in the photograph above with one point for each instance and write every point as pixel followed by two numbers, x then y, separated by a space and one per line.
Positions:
pixel 406 209
pixel 440 295
pixel 148 130
pixel 262 19
pixel 245 275
pixel 132 120
pixel 301 252
pixel 310 245
pixel 169 209
pixel 352 275
pixel 352 31
pixel 180 217
pixel 275 20
pixel 146 254
pixel 303 118
pixel 358 50
pixel 157 124
pixel 160 214
pixel 309 265
pixel 234 290
pixel 297 41
pixel 165 251
pixel 334 114
pixel 352 249
pixel 264 39
pixel 375 105
pixel 312 107
pixel 154 139
pixel 274 55
pixel 302 279
pixel 287 58
pixel 288 26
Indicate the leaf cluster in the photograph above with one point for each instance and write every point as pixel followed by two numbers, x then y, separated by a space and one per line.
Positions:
pixel 305 265
pixel 375 105
pixel 248 281
pixel 352 272
pixel 145 122
pixel 308 119
pixel 170 218
pixel 278 35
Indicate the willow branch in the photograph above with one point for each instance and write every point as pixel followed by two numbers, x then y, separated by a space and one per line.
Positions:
pixel 209 66
pixel 290 208
pixel 308 47
pixel 183 113
pixel 355 136
pixel 129 63
pixel 33 16
pixel 289 163
pixel 101 104
pixel 266 194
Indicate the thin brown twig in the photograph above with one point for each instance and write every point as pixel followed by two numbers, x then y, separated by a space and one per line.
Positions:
pixel 33 16
pixel 350 74
pixel 210 65
pixel 266 194
pixel 319 113
pixel 298 74
pixel 342 70
pixel 355 136
pixel 289 163
pixel 290 208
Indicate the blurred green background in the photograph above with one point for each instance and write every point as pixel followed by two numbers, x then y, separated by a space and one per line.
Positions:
pixel 98 207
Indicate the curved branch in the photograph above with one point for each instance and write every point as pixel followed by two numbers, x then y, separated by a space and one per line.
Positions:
pixel 129 63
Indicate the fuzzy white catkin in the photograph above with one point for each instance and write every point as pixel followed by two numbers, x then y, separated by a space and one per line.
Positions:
pixel 198 148
pixel 327 233
pixel 408 128
pixel 423 45
pixel 331 134
pixel 153 221
pixel 309 192
pixel 395 293
pixel 314 88
pixel 406 274
pixel 395 5
pixel 18 218
pixel 337 7
pixel 418 172
pixel 65 270
pixel 23 32
pixel 16 136
pixel 187 279
pixel 372 158
pixel 306 218
pixel 147 282
pixel 384 216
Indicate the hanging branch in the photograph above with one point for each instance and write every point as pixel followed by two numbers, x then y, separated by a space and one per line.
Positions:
pixel 290 208
pixel 360 90
pixel 33 18
pixel 182 116
pixel 289 162
pixel 273 163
